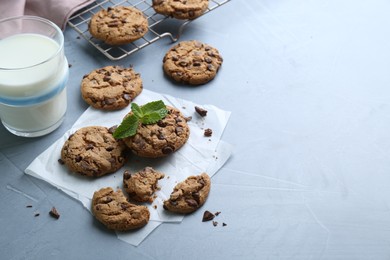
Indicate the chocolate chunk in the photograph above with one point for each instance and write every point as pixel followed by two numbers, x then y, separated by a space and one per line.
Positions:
pixel 54 213
pixel 89 147
pixel 192 203
pixel 202 112
pixel 126 97
pixel 208 132
pixel 167 150
pixel 224 224
pixel 207 216
pixel 217 213
pixel 215 223
pixel 126 175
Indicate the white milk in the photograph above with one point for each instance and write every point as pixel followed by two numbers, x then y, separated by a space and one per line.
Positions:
pixel 33 74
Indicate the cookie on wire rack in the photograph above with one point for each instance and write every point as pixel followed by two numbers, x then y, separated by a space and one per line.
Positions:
pixel 181 9
pixel 118 25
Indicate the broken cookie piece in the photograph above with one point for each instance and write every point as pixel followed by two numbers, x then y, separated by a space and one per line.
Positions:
pixel 189 195
pixel 114 211
pixel 142 185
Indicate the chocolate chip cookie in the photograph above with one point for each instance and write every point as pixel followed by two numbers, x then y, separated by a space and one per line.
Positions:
pixel 142 185
pixel 192 62
pixel 181 9
pixel 189 195
pixel 93 151
pixel 111 87
pixel 116 213
pixel 118 25
pixel 160 139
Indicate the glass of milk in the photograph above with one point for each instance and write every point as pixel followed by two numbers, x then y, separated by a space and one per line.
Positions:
pixel 33 76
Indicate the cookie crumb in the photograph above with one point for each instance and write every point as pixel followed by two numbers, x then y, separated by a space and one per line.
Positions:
pixel 215 223
pixel 188 118
pixel 207 216
pixel 202 112
pixel 54 213
pixel 208 132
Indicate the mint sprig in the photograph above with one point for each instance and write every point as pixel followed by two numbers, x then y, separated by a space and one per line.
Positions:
pixel 147 114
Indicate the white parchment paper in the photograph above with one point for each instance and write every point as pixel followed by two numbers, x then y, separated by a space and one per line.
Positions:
pixel 199 154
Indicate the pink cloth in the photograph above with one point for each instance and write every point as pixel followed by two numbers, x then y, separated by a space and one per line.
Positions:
pixel 57 11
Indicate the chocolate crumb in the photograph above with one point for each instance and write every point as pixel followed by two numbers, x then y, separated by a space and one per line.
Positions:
pixel 208 132
pixel 207 216
pixel 36 214
pixel 215 223
pixel 54 213
pixel 202 112
pixel 224 224
pixel 69 65
pixel 155 206
pixel 78 37
pixel 28 206
pixel 60 161
pixel 217 213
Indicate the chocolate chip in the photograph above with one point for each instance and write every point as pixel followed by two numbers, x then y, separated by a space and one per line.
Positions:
pixel 191 13
pixel 208 132
pixel 124 206
pixel 167 150
pixel 78 158
pixel 202 112
pixel 126 175
pixel 109 101
pixel 157 2
pixel 89 147
pixel 192 203
pixel 207 216
pixel 161 136
pixel 112 129
pixel 179 130
pixel 161 123
pixel 54 213
pixel 126 97
pixel 108 199
pixel 109 149
pixel 196 64
pixel 210 67
pixel 60 161
pixel 175 58
pixel 217 213
pixel 114 23
pixel 173 203
pixel 183 63
pixel 208 60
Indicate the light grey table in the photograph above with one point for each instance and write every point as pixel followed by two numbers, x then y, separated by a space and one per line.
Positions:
pixel 308 85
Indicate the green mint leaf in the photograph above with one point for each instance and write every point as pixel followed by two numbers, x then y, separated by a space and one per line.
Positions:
pixel 151 118
pixel 137 111
pixel 127 128
pixel 147 114
pixel 153 107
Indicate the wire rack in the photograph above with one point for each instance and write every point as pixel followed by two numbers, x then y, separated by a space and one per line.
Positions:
pixel 160 26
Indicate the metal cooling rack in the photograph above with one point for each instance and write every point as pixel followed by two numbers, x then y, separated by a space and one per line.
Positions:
pixel 160 26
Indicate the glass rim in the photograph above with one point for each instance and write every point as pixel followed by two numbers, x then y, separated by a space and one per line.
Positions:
pixel 43 20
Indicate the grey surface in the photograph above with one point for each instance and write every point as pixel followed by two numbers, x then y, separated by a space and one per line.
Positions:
pixel 308 86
